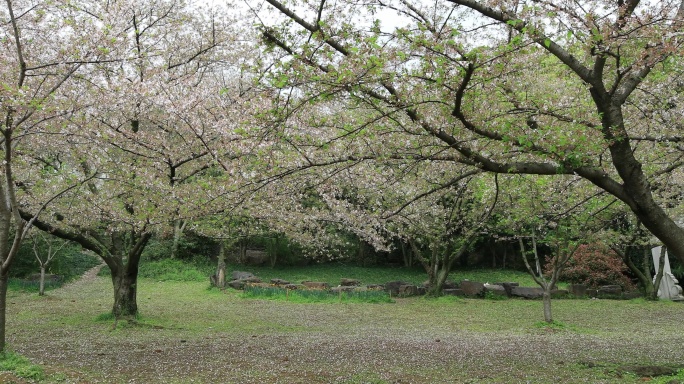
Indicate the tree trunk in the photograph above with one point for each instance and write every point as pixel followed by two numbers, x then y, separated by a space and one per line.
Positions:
pixel 4 278
pixel 41 290
pixel 178 228
pixel 221 267
pixel 125 294
pixel 407 255
pixel 273 252
pixel 437 285
pixel 546 298
pixel 125 279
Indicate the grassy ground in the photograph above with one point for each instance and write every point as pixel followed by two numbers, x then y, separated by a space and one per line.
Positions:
pixel 189 333
pixel 175 270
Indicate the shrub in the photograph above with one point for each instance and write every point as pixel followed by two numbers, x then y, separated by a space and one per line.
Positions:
pixel 594 266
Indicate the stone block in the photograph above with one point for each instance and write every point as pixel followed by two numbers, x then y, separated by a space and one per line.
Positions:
pixel 508 286
pixel 472 288
pixel 408 290
pixel 527 292
pixel 349 282
pixel 453 292
pixel 578 290
pixel 316 284
pixel 392 287
pixel 609 292
pixel 495 290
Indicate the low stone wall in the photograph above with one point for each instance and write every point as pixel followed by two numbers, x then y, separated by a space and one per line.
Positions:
pixel 465 288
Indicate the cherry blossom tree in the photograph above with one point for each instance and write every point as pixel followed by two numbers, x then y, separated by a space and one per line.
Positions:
pixel 156 129
pixel 591 89
pixel 37 65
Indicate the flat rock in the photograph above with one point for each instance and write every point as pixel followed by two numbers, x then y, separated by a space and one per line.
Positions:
pixel 393 286
pixel 345 282
pixel 472 288
pixel 527 292
pixel 241 275
pixel 508 286
pixel 343 288
pixel 408 290
pixel 453 292
pixel 497 290
pixel 609 292
pixel 578 290
pixel 316 284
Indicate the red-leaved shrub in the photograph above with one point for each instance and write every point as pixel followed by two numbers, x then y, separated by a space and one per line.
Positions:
pixel 595 265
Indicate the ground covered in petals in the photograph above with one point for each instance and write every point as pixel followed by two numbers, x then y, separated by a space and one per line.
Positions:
pixel 188 333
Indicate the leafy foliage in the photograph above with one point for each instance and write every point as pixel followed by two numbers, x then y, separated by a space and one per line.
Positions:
pixel 595 266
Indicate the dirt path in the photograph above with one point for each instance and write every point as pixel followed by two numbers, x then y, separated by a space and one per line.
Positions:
pixel 87 278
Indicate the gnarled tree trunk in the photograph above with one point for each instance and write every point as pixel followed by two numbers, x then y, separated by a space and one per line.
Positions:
pixel 125 294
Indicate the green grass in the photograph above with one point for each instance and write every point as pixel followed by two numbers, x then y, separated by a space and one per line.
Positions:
pixel 31 285
pixel 20 366
pixel 316 296
pixel 189 333
pixel 171 270
pixel 331 273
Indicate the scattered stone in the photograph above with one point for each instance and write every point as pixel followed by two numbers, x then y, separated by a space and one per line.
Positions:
pixel 508 286
pixel 393 286
pixel 422 291
pixel 496 290
pixel 349 282
pixel 237 284
pixel 315 285
pixel 375 287
pixel 258 284
pixel 241 283
pixel 342 288
pixel 453 292
pixel 279 282
pixel 527 292
pixel 609 292
pixel 408 290
pixel 449 285
pixel 648 370
pixel 472 288
pixel 240 275
pixel 578 290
